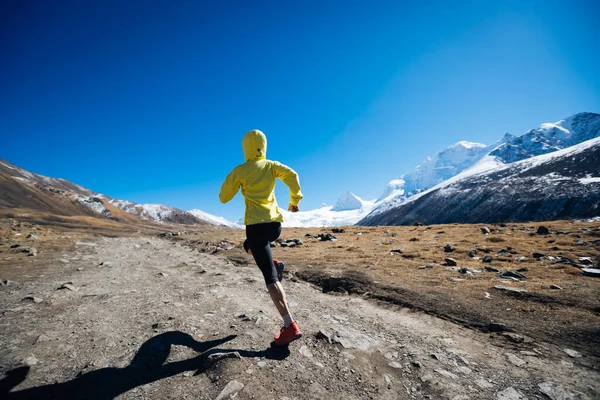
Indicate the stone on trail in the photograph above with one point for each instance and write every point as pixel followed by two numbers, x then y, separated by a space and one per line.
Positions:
pixel 216 357
pixel 485 230
pixel 34 299
pixel 487 259
pixel 515 360
pixel 572 353
pixel 322 334
pixel 448 248
pixel 30 361
pixel 305 351
pixel 556 392
pixel 510 393
pixel 230 390
pixel 445 373
pixel 68 285
pixel 6 282
pixel 556 287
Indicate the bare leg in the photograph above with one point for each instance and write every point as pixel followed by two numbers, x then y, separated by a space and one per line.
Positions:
pixel 279 299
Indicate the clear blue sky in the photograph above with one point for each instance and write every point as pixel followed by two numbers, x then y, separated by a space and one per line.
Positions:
pixel 148 100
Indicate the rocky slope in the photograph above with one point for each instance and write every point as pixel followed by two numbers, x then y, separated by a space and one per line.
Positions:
pixel 563 184
pixel 23 189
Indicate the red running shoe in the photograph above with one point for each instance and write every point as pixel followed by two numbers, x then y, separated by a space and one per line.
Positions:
pixel 288 335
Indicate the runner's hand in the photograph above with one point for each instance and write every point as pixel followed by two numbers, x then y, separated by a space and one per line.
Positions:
pixel 293 208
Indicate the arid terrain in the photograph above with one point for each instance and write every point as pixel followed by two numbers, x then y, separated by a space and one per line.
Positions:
pixel 157 312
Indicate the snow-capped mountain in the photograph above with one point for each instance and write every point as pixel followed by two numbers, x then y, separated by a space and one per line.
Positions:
pixel 204 216
pixel 348 210
pixel 348 201
pixel 548 137
pixel 461 156
pixel 443 165
pixel 560 184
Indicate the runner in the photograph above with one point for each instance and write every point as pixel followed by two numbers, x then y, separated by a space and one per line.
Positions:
pixel 256 178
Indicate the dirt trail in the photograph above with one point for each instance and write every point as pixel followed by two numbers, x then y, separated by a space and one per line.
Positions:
pixel 142 316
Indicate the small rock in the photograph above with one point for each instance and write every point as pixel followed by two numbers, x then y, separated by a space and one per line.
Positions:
pixel 6 282
pixel 261 364
pixel 586 261
pixel 497 327
pixel 510 289
pixel 591 272
pixel 68 285
pixel 515 360
pixel 450 262
pixel 448 248
pixel 485 230
pixel 32 236
pixel 216 357
pixel 510 393
pixel 491 269
pixel 556 287
pixel 445 373
pixel 542 230
pixel 572 353
pixel 487 259
pixel 512 274
pixel 538 256
pixel 483 384
pixel 162 274
pixel 30 361
pixel 514 337
pixel 304 350
pixel 64 260
pixel 388 381
pixel 413 239
pixel 324 335
pixel 472 253
pixel 524 269
pixel 399 251
pixel 34 299
pixel 556 392
pixel 230 390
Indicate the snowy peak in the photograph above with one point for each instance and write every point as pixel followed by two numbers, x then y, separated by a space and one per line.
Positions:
pixel 348 201
pixel 549 137
pixel 211 219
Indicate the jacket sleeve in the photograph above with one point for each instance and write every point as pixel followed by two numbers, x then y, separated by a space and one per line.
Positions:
pixel 230 187
pixel 290 178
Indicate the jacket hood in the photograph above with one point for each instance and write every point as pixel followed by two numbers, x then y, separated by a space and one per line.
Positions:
pixel 255 145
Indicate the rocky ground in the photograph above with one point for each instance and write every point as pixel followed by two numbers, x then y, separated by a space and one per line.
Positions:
pixel 140 316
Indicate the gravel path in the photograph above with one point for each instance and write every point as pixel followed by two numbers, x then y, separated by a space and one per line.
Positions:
pixel 148 319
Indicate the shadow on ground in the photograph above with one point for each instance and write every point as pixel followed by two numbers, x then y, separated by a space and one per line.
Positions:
pixel 147 366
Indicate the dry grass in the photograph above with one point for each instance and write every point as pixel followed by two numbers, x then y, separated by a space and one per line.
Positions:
pixel 368 266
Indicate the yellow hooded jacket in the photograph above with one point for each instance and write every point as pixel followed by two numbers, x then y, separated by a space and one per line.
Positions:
pixel 256 177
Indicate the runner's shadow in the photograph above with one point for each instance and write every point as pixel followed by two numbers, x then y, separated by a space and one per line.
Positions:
pixel 107 383
pixel 272 353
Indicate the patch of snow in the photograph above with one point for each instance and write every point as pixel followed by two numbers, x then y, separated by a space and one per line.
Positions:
pixel 589 179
